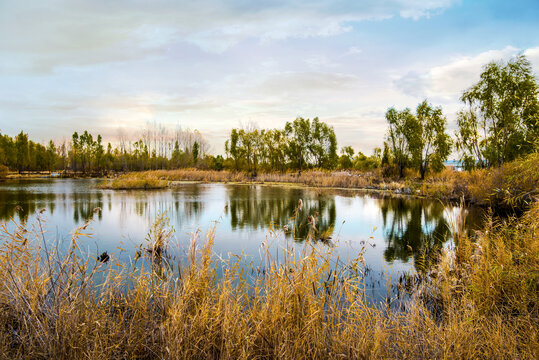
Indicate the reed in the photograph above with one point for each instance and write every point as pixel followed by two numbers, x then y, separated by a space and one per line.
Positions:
pixel 482 302
pixel 134 181
pixel 513 186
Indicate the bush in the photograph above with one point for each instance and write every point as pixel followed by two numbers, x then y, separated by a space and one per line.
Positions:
pixel 4 171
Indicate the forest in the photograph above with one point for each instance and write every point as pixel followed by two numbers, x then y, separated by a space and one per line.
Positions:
pixel 498 123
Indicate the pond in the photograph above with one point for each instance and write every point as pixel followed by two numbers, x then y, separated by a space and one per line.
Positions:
pixel 398 234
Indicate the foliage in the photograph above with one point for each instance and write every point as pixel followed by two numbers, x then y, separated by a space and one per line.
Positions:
pixel 301 144
pixel 419 140
pixel 400 125
pixel 86 154
pixel 501 122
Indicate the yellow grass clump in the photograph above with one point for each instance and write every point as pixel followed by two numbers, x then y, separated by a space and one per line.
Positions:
pixel 134 181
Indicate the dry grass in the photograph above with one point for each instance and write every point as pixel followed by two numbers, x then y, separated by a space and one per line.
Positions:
pixel 134 181
pixel 314 178
pixel 483 303
pixel 513 185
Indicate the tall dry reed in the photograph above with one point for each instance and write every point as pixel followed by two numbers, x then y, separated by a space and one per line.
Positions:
pixel 482 302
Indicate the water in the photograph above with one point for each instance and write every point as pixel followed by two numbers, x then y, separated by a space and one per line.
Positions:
pixel 398 234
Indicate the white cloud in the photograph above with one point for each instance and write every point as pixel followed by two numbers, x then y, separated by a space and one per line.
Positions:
pixel 447 81
pixel 77 32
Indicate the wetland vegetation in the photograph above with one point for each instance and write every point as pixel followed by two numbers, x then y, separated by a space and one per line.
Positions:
pixel 339 274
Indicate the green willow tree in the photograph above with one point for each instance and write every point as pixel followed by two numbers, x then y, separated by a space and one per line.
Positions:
pixel 501 121
pixel 323 146
pixel 428 142
pixel 419 140
pixel 232 148
pixel 401 123
pixel 298 133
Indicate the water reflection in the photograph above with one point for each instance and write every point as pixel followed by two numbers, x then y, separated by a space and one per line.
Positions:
pixel 408 231
pixel 413 229
pixel 259 207
pixel 85 204
pixel 21 203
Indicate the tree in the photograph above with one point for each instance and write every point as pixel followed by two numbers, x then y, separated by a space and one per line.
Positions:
pixel 429 144
pixel 345 161
pixel 23 156
pixel 400 126
pixel 195 152
pixel 74 150
pixel 501 122
pixel 51 156
pixel 233 149
pixel 298 134
pixel 98 152
pixel 323 145
pixel 275 147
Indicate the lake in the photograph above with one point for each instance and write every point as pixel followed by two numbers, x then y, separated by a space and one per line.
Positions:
pixel 398 234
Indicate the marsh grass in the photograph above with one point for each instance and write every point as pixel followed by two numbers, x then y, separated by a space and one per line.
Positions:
pixel 134 181
pixel 513 186
pixel 481 302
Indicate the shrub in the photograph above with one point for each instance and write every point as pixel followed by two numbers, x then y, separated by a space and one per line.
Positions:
pixel 4 171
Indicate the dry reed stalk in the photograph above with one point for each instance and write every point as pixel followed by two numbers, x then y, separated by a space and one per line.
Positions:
pixel 303 305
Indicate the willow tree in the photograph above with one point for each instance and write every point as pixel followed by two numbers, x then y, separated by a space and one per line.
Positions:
pixel 299 136
pixel 323 145
pixel 501 121
pixel 428 142
pixel 401 123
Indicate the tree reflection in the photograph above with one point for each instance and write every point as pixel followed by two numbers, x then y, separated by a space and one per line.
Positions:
pixel 84 205
pixel 413 228
pixel 22 203
pixel 259 207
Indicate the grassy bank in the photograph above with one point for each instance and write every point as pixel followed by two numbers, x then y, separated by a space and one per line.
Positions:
pixel 512 185
pixel 482 303
pixel 135 181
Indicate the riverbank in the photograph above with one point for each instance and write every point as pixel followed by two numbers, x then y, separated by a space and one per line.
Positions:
pixel 481 302
pixel 511 186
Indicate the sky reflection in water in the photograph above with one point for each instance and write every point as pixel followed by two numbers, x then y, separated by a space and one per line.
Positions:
pixel 404 232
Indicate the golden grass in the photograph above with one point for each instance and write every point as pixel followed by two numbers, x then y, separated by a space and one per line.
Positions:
pixel 513 185
pixel 483 303
pixel 313 178
pixel 134 181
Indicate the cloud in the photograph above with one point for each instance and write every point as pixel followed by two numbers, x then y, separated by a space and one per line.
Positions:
pixel 306 83
pixel 447 81
pixel 78 32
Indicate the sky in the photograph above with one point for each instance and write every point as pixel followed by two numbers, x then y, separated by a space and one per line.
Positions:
pixel 112 66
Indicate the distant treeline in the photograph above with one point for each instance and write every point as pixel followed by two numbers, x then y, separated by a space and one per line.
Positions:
pixel 156 149
pixel 499 124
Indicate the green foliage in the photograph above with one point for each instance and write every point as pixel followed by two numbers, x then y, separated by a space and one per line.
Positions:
pixel 345 161
pixel 419 141
pixel 501 122
pixel 401 125
pixel 299 136
pixel 301 144
pixel 429 144
pixel 195 152
pixel 86 154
